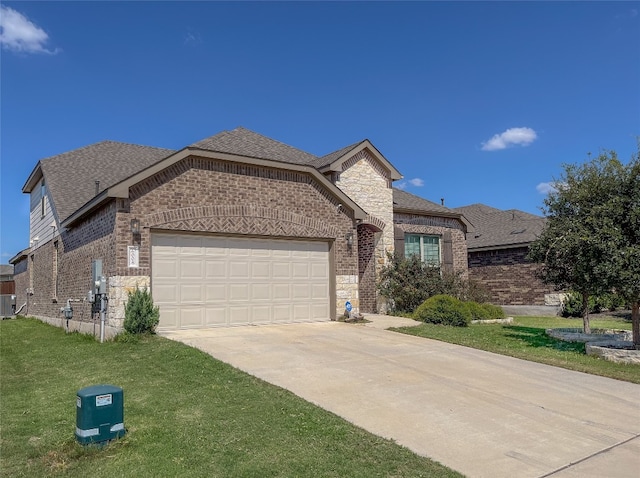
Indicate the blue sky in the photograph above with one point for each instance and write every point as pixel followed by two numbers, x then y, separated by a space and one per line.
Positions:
pixel 474 102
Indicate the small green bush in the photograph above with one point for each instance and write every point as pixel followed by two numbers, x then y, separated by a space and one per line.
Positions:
pixel 485 311
pixel 572 305
pixel 140 315
pixel 445 310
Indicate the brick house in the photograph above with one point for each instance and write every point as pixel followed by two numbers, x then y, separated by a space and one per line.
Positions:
pixel 234 229
pixel 497 254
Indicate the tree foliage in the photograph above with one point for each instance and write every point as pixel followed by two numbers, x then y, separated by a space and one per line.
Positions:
pixel 590 243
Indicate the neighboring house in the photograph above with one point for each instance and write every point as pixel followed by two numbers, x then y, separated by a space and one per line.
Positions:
pixel 233 229
pixel 498 248
pixel 7 290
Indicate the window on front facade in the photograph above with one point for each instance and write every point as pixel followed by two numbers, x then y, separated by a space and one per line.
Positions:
pixel 426 247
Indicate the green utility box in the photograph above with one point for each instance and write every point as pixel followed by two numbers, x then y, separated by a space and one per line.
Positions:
pixel 99 414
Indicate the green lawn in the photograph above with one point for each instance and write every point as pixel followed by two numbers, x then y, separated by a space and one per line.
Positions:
pixel 186 414
pixel 526 339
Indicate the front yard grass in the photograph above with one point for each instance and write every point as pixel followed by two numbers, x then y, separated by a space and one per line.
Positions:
pixel 186 415
pixel 525 338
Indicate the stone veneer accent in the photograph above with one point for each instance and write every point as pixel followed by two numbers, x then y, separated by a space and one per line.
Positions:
pixel 368 183
pixel 118 292
pixel 347 290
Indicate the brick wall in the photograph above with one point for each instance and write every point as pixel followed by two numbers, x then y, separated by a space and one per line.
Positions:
pixel 231 198
pixel 367 239
pixel 61 269
pixel 509 277
pixel 413 224
pixel 195 194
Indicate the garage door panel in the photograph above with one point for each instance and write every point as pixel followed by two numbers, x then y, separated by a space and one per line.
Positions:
pixel 300 270
pixel 168 316
pixel 215 293
pixel 191 245
pixel 191 316
pixel 260 292
pixel 215 269
pixel 163 244
pixel 239 315
pixel 319 312
pixel 165 269
pixel 282 313
pixel 281 291
pixel 216 316
pixel 190 293
pixel 301 312
pixel 260 314
pixel 319 271
pixel 165 293
pixel 281 270
pixel 205 281
pixel 319 291
pixel 300 291
pixel 237 250
pixel 260 270
pixel 238 269
pixel 191 269
pixel 261 250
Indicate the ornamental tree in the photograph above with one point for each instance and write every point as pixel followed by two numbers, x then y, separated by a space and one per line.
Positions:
pixel 585 243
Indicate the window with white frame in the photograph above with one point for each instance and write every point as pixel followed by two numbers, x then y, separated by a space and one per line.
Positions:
pixel 426 247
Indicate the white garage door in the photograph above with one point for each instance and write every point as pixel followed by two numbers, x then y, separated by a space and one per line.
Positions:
pixel 205 281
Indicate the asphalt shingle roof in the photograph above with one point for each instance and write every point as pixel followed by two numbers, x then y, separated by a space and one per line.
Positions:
pixel 496 227
pixel 331 157
pixel 70 177
pixel 244 142
pixel 405 200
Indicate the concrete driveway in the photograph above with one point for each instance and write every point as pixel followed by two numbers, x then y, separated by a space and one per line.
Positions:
pixel 482 414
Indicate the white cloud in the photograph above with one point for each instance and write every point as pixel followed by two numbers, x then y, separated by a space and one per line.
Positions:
pixel 510 137
pixel 418 182
pixel 19 34
pixel 546 188
pixel 192 37
pixel 400 185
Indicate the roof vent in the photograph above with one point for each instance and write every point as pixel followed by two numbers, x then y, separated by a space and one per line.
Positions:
pixel 97 187
pixel 518 231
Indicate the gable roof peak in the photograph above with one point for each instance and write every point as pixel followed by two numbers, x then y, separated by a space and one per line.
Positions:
pixel 244 142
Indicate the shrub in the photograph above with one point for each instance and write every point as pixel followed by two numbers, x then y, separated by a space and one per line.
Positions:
pixel 140 315
pixel 572 305
pixel 408 282
pixel 485 311
pixel 445 310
